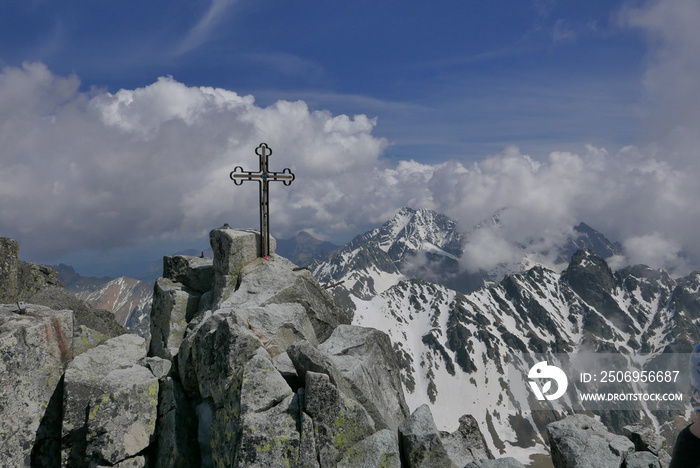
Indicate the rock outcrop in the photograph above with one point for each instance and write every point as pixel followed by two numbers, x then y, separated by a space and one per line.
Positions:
pixel 580 441
pixel 35 347
pixel 110 405
pixel 272 369
pixel 29 283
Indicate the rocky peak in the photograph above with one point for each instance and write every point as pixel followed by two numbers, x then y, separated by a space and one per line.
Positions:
pixel 19 280
pixel 413 230
pixel 589 238
pixel 590 276
pixel 274 371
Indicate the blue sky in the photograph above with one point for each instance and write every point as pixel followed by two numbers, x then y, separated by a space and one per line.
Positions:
pixel 448 79
pixel 119 122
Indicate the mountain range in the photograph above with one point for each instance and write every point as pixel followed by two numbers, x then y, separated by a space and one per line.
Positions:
pixel 455 330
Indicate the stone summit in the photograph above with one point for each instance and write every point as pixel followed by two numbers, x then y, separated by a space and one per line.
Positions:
pixel 251 364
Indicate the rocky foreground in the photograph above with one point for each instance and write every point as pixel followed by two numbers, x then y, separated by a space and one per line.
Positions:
pixel 251 363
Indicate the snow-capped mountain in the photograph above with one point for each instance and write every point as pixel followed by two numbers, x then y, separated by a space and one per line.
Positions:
pixel 128 299
pixel 423 244
pixel 414 243
pixel 455 348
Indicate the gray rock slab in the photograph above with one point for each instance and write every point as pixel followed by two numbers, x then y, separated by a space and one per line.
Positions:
pixel 274 281
pixel 339 421
pixel 233 249
pixel 321 308
pixel 34 348
pixel 467 443
pixel 159 367
pixel 86 338
pixel 173 307
pixel 380 450
pixel 366 358
pixel 579 441
pixel 121 422
pixel 212 354
pixel 110 403
pixel 642 460
pixel 308 457
pixel 262 386
pixel 278 325
pixel 420 441
pixel 645 438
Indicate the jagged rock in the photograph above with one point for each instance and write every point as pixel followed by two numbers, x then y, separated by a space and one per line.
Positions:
pixel 269 438
pixel 380 450
pixel 233 249
pixel 278 325
pixel 506 462
pixel 58 298
pixel 110 404
pixel 339 422
pixel 34 348
pixel 285 367
pixel 39 285
pixel 324 313
pixel 467 443
pixel 366 359
pixel 85 338
pixel 212 354
pixel 174 305
pixel 642 460
pixel 307 358
pixel 645 438
pixel 159 367
pixel 177 428
pixel 307 443
pixel 421 446
pixel 195 273
pixel 262 386
pixel 253 281
pixel 579 441
pixel 259 417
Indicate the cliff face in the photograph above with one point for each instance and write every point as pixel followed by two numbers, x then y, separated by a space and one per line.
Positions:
pixel 268 365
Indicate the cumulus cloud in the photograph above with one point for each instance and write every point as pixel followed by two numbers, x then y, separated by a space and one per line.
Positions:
pixel 101 170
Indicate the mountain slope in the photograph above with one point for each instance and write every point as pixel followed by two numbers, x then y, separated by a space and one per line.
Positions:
pixel 454 349
pixel 128 299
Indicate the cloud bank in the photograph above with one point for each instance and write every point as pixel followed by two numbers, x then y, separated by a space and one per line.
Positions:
pixel 99 170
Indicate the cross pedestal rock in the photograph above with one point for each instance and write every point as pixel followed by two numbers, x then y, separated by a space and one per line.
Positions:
pixel 263 177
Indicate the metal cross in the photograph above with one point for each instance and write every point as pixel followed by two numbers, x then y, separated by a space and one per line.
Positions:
pixel 263 177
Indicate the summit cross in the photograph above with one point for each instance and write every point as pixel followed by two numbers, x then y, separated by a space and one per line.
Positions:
pixel 263 177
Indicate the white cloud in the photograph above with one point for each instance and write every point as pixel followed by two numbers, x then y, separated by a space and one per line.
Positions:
pixel 102 170
pixel 657 250
pixel 99 170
